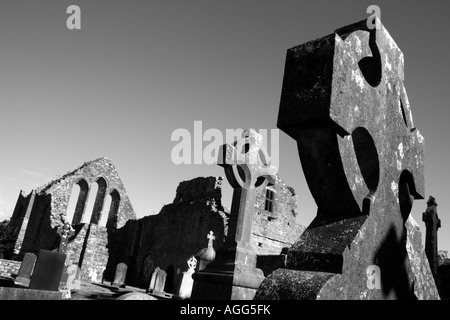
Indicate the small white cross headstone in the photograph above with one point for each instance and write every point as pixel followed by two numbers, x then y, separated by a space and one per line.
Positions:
pixel 211 238
pixel 187 281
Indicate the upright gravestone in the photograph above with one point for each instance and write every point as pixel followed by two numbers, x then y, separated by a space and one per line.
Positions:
pixel 48 270
pixel 208 254
pixel 120 276
pixel 187 281
pixel 343 100
pixel 73 277
pixel 160 282
pixel 432 224
pixel 50 267
pixel 26 269
pixel 151 287
pixel 234 275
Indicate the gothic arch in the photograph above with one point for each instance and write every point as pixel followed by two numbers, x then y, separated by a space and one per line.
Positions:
pixel 99 199
pixel 81 202
pixel 114 209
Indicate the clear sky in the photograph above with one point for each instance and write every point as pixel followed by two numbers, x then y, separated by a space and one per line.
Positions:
pixel 138 70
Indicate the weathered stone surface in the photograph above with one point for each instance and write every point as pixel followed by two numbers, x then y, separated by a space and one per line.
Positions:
pixel 424 284
pixel 153 280
pixel 26 269
pixel 344 102
pixel 160 281
pixel 187 281
pixel 285 284
pixel 277 229
pixel 167 239
pixel 9 267
pixel 29 294
pixel 136 296
pixel 120 276
pixel 48 270
pixel 44 210
pixel 234 274
pixel 208 254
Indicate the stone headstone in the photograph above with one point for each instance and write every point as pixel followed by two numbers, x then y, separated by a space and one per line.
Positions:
pixel 187 281
pixel 120 276
pixel 26 269
pixel 344 102
pixel 48 270
pixel 136 296
pixel 74 276
pixel 235 276
pixel 151 287
pixel 160 281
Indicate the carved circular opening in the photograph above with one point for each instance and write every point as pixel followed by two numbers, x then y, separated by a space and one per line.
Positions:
pixel 367 157
pixel 371 66
pixel 245 148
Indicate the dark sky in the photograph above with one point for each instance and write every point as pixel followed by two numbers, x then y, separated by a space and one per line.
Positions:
pixel 138 70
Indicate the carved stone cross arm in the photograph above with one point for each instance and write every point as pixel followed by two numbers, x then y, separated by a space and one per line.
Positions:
pixel 246 162
pixel 248 169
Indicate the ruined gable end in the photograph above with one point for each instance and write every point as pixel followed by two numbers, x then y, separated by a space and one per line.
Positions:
pixel 92 198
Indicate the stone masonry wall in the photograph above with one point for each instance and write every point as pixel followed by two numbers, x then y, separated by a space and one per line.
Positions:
pixel 9 267
pixel 61 188
pixel 39 219
pixel 168 239
pixel 96 253
pixel 273 231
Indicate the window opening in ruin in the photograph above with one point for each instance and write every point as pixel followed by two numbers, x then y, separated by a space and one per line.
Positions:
pixel 270 196
pixel 105 211
pixel 77 202
pixel 90 203
pixel 113 210
pixel 99 200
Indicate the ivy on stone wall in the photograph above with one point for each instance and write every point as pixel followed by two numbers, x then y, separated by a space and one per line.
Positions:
pixel 7 240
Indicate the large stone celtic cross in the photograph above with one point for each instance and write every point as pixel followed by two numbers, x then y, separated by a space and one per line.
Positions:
pixel 234 274
pixel 248 169
pixel 343 100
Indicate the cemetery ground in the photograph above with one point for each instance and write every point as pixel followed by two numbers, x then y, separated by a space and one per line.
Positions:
pixel 89 290
pixel 99 291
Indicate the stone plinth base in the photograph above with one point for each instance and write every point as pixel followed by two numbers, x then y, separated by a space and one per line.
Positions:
pixel 29 294
pixel 216 285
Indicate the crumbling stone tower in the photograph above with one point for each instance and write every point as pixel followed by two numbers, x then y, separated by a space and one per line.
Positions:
pixel 38 214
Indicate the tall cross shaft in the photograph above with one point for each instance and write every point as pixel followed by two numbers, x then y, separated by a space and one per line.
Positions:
pixel 247 167
pixel 65 232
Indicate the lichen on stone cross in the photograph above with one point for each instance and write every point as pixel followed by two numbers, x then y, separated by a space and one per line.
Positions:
pixel 246 161
pixel 344 102
pixel 65 231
